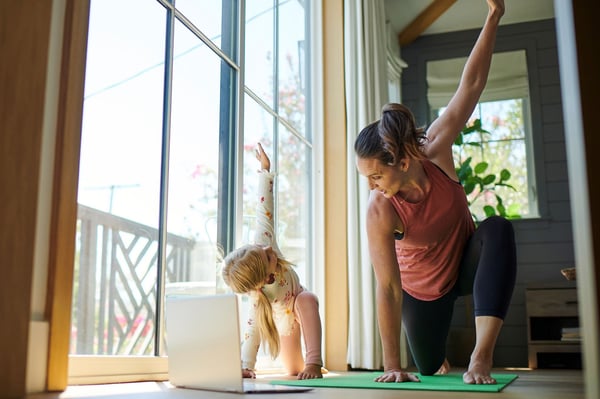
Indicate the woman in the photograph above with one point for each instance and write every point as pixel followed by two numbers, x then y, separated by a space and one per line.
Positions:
pixel 423 243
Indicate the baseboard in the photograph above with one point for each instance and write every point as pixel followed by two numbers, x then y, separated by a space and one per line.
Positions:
pixel 37 357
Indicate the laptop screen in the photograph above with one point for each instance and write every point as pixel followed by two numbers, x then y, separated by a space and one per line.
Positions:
pixel 203 342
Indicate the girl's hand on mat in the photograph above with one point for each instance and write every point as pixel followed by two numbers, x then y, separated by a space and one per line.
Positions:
pixel 247 373
pixel 395 375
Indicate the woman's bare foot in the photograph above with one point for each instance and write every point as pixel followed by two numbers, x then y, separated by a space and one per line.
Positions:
pixel 480 367
pixel 479 372
pixel 310 371
pixel 444 368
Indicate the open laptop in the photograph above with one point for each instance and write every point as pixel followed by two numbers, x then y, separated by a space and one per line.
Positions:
pixel 203 344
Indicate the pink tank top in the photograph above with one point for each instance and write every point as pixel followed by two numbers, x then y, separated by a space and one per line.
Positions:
pixel 435 232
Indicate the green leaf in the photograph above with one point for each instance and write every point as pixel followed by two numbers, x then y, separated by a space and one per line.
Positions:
pixel 471 180
pixel 501 210
pixel 506 185
pixel 481 167
pixel 459 140
pixel 477 181
pixel 489 179
pixel 469 187
pixel 474 128
pixel 469 129
pixel 464 171
pixel 513 210
pixel 489 210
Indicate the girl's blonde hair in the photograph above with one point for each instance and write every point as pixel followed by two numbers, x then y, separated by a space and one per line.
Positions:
pixel 245 271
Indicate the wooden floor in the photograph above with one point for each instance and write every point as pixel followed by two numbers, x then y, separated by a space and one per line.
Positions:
pixel 531 384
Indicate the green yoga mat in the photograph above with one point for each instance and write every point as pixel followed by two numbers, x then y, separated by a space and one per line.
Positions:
pixel 448 382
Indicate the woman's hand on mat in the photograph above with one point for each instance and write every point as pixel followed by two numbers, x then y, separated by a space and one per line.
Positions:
pixel 396 375
pixel 247 373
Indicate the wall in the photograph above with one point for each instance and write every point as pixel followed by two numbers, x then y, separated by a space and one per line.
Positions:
pixel 24 32
pixel 544 245
pixel 41 93
pixel 335 317
pixel 580 83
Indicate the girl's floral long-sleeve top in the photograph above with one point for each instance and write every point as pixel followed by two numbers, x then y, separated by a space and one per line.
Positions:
pixel 283 291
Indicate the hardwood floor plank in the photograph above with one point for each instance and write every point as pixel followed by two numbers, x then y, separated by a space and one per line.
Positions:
pixel 531 384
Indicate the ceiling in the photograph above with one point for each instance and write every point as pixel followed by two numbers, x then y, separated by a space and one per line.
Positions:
pixel 463 14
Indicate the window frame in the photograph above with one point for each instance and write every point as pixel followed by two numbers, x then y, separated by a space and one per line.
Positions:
pixel 533 207
pixel 106 369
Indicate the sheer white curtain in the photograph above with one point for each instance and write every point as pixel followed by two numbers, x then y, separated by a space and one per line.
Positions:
pixel 366 92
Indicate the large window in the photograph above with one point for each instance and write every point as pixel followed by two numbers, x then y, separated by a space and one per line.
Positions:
pixel 505 138
pixel 177 95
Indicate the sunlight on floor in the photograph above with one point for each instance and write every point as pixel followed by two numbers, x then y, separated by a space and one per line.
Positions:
pixel 83 391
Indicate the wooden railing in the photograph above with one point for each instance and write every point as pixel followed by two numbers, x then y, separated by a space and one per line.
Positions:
pixel 116 270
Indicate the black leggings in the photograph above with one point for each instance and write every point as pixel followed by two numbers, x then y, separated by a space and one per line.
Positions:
pixel 488 271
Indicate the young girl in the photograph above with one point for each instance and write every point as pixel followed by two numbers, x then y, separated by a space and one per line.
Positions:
pixel 280 307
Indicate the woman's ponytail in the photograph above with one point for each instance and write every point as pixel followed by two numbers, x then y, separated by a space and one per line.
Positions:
pixel 391 138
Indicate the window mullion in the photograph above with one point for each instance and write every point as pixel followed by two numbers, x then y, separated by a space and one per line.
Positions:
pixel 275 155
pixel 164 180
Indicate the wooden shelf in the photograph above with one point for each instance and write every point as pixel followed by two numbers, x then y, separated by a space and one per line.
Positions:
pixel 552 311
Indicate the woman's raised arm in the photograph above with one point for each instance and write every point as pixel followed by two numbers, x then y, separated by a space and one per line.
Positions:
pixel 444 130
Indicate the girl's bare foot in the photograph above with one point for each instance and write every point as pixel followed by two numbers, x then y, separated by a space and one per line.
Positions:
pixel 310 371
pixel 479 372
pixel 444 368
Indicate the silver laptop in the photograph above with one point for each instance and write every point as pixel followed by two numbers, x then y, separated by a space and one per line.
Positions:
pixel 203 344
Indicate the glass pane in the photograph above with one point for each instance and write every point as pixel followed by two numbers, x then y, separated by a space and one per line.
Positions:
pixel 294 202
pixel 504 147
pixel 291 69
pixel 215 18
pixel 119 180
pixel 193 167
pixel 259 51
pixel 511 155
pixel 258 127
pixel 503 119
pixel 292 209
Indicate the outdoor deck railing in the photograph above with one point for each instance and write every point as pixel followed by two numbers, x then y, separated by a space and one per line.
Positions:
pixel 116 270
